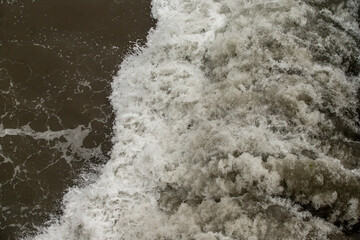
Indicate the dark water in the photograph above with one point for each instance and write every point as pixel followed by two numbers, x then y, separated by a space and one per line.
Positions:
pixel 57 59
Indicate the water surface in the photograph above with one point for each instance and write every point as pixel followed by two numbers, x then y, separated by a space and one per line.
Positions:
pixel 57 59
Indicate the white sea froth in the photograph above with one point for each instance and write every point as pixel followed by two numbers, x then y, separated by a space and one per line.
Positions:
pixel 236 121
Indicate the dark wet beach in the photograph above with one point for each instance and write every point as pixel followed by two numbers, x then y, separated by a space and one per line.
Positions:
pixel 57 59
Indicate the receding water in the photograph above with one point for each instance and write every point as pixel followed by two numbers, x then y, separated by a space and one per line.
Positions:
pixel 238 119
pixel 57 59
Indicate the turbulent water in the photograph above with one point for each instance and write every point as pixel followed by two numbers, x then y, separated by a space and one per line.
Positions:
pixel 238 120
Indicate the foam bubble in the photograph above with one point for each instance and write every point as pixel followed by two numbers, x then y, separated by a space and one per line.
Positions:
pixel 227 125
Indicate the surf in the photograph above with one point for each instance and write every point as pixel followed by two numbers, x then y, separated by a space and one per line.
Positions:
pixel 237 120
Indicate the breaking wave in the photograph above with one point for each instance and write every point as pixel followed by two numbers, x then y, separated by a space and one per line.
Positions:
pixel 237 120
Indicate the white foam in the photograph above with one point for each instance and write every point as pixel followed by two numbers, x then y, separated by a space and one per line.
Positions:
pixel 225 125
pixel 62 141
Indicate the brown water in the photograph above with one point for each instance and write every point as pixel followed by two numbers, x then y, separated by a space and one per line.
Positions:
pixel 57 59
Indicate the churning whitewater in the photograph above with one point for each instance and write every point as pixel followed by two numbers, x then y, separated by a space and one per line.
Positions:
pixel 237 120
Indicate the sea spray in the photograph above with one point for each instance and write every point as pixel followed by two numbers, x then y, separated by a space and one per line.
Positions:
pixel 238 120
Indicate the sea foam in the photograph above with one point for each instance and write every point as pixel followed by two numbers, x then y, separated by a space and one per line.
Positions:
pixel 237 120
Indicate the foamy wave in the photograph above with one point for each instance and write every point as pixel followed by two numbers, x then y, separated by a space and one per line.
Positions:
pixel 238 120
